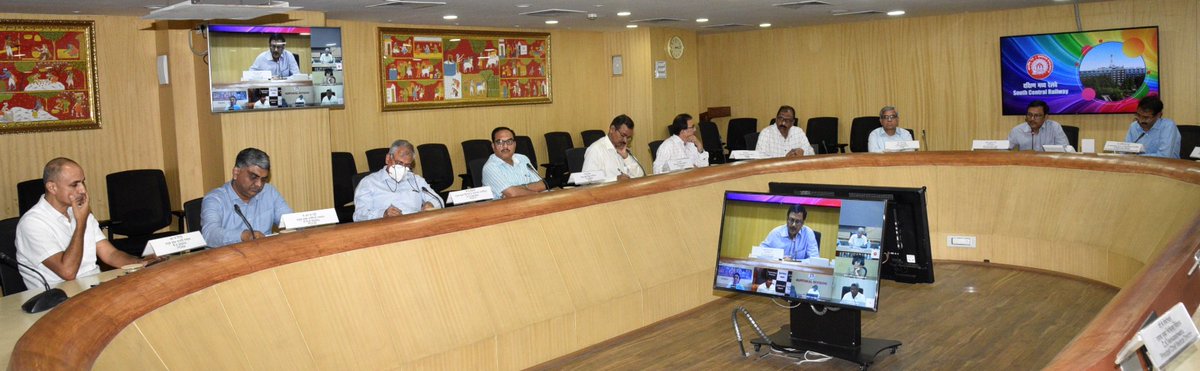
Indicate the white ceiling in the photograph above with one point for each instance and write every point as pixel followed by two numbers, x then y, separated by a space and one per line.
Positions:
pixel 506 13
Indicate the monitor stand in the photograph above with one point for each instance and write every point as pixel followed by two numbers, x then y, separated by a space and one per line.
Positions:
pixel 836 334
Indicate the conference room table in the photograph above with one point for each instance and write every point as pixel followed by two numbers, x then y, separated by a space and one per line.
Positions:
pixel 14 321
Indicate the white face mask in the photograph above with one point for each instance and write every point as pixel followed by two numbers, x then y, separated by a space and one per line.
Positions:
pixel 398 171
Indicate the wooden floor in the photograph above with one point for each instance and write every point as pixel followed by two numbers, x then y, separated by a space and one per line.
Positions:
pixel 976 317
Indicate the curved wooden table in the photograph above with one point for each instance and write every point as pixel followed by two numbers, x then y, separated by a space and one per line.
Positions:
pixel 512 283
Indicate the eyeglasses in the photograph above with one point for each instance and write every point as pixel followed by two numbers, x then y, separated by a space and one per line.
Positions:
pixel 506 142
pixel 1035 115
pixel 889 117
pixel 786 120
pixel 792 221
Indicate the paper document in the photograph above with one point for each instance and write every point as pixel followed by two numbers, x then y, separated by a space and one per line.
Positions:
pixel 768 253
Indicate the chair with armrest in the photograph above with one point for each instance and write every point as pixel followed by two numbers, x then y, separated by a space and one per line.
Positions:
pixel 191 214
pixel 474 149
pixel 436 167
pixel 860 132
pixel 751 141
pixel 10 276
pixel 575 159
pixel 376 159
pixel 737 130
pixel 475 169
pixel 138 206
pixel 710 137
pixel 822 134
pixel 557 144
pixel 28 193
pixel 343 192
pixel 1072 133
pixel 654 149
pixel 1189 138
pixel 525 147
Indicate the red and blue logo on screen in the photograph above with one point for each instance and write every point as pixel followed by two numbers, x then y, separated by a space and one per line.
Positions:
pixel 1039 66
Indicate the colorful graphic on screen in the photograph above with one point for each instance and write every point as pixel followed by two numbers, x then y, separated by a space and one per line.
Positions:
pixel 1105 71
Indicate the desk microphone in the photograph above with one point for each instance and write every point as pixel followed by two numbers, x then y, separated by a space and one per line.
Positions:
pixel 545 182
pixel 1139 137
pixel 43 301
pixel 630 152
pixel 923 139
pixel 238 210
pixel 824 147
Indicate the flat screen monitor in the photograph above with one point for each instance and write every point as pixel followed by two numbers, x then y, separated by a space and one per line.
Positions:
pixel 274 67
pixel 809 249
pixel 1102 71
pixel 906 241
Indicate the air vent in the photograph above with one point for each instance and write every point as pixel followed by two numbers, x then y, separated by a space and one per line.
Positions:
pixel 553 12
pixel 723 26
pixel 408 5
pixel 657 20
pixel 838 13
pixel 801 4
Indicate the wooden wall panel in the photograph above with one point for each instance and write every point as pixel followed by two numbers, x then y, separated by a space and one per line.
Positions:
pixel 194 333
pixel 631 93
pixel 680 91
pixel 941 72
pixel 262 319
pixel 129 351
pixel 298 143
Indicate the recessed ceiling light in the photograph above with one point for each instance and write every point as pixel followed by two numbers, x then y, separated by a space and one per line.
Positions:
pixel 75 11
pixel 701 20
pixel 895 13
pixel 450 17
pixel 523 5
pixel 153 7
pixel 764 25
pixel 623 14
pixel 551 22
pixel 631 26
pixel 599 5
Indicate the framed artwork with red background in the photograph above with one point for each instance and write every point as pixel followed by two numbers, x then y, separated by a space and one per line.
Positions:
pixel 47 76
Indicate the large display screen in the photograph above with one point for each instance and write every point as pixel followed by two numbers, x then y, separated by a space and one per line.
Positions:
pixel 274 67
pixel 818 250
pixel 1105 71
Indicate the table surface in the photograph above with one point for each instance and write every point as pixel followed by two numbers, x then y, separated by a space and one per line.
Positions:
pixel 15 321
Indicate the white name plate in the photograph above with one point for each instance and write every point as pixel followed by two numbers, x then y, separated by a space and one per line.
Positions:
pixel 990 145
pixel 768 253
pixel 587 177
pixel 1123 147
pixel 901 146
pixel 746 155
pixel 256 75
pixel 180 242
pixel 1169 335
pixel 471 195
pixel 1089 145
pixel 679 164
pixel 1058 148
pixel 1196 152
pixel 308 219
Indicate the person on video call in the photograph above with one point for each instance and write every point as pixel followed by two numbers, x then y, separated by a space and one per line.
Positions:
pixel 59 236
pixel 859 239
pixel 394 190
pixel 258 203
pixel 326 56
pixel 784 138
pixel 858 266
pixel 276 59
pixel 797 240
pixel 813 293
pixel 1037 131
pixel 1160 136
pixel 737 282
pixel 855 296
pixel 890 130
pixel 766 287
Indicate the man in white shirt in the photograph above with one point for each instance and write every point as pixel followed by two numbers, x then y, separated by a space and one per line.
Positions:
pixel 394 190
pixel 859 240
pixel 784 138
pixel 889 131
pixel 59 235
pixel 613 156
pixel 1037 130
pixel 682 150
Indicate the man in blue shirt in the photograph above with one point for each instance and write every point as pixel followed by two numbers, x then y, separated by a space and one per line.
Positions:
pixel 280 62
pixel 508 173
pixel 797 240
pixel 1160 136
pixel 394 190
pixel 249 194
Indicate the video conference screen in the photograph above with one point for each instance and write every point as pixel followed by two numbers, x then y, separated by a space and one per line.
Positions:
pixel 817 250
pixel 1105 71
pixel 274 67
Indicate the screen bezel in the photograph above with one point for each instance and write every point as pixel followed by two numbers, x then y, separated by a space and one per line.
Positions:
pixel 229 29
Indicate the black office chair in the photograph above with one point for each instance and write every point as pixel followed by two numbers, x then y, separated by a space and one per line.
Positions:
pixel 28 193
pixel 525 147
pixel 359 177
pixel 654 149
pixel 192 212
pixel 343 178
pixel 822 134
pixel 10 277
pixel 911 133
pixel 436 166
pixel 860 132
pixel 557 144
pixel 138 205
pixel 710 137
pixel 475 170
pixel 376 159
pixel 474 149
pixel 751 141
pixel 575 159
pixel 590 136
pixel 737 130
pixel 1072 133
pixel 1189 138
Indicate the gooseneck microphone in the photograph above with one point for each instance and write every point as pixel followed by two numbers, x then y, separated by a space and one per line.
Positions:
pixel 1139 137
pixel 43 301
pixel 238 210
pixel 442 204
pixel 545 182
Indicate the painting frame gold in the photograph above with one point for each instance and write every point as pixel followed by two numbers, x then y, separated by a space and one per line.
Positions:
pixel 492 68
pixel 43 90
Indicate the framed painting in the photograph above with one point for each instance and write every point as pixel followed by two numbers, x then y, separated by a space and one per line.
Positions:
pixel 424 69
pixel 48 76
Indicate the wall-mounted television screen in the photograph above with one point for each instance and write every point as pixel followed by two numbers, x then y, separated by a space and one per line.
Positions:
pixel 274 67
pixel 818 250
pixel 1103 71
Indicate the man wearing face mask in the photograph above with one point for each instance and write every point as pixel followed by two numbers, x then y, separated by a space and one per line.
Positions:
pixel 247 199
pixel 613 156
pixel 394 190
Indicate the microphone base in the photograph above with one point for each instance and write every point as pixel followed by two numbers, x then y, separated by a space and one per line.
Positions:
pixel 44 301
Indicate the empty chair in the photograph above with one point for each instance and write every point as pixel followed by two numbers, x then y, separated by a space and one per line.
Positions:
pixel 822 134
pixel 28 193
pixel 654 149
pixel 435 166
pixel 138 205
pixel 590 136
pixel 10 277
pixel 557 144
pixel 860 132
pixel 343 190
pixel 192 210
pixel 474 149
pixel 575 159
pixel 1189 138
pixel 1072 133
pixel 525 147
pixel 751 141
pixel 475 170
pixel 737 130
pixel 710 137
pixel 376 159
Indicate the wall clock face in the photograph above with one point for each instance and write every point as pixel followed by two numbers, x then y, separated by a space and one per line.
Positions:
pixel 675 47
